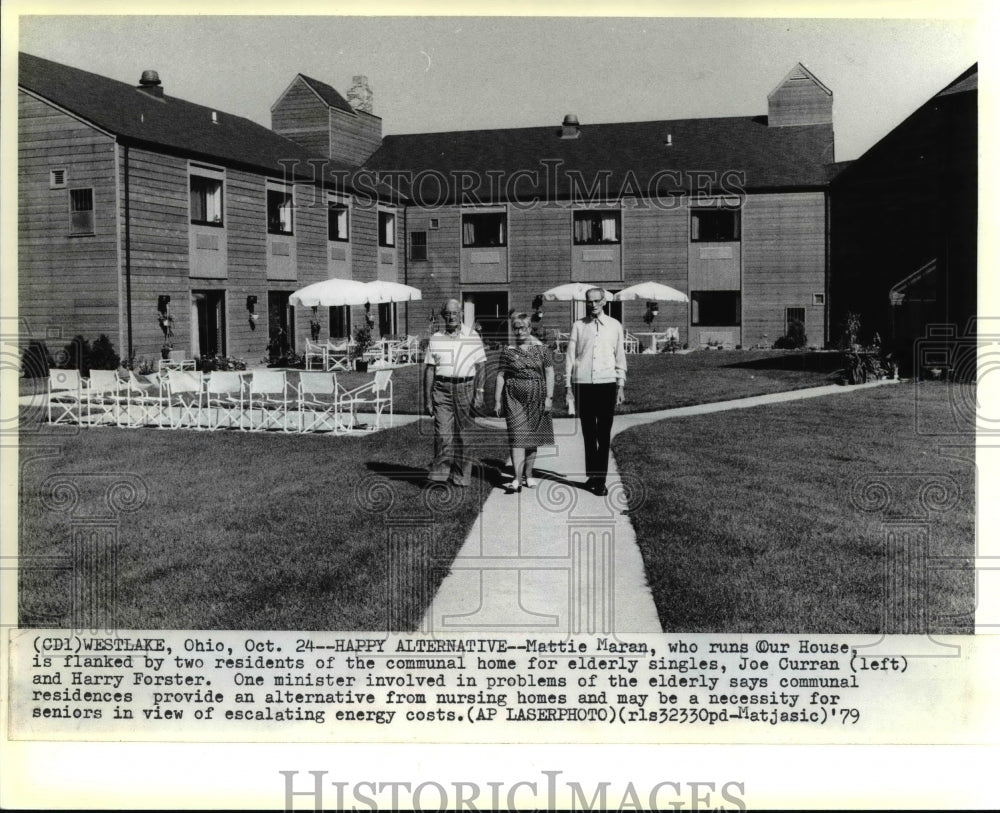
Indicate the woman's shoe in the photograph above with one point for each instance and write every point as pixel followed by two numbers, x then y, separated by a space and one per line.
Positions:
pixel 530 482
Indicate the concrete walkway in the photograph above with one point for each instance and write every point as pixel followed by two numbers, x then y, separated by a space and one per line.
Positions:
pixel 556 558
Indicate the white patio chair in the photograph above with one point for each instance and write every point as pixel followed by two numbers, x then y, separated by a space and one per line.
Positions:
pixel 269 394
pixel 318 402
pixel 316 351
pixel 338 355
pixel 185 398
pixel 103 398
pixel 224 400
pixel 65 396
pixel 145 402
pixel 372 397
pixel 631 343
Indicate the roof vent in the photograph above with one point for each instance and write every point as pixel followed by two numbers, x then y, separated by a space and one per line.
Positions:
pixel 670 141
pixel 215 117
pixel 570 126
pixel 150 83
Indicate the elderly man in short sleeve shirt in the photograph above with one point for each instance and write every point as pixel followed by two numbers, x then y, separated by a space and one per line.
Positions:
pixel 595 368
pixel 453 387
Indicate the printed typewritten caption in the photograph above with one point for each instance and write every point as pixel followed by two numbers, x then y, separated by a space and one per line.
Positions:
pixel 277 686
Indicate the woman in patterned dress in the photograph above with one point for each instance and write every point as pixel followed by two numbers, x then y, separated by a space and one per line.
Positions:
pixel 524 387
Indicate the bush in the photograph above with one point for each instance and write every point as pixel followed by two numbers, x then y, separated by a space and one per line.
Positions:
pixel 76 355
pixel 794 339
pixel 867 365
pixel 208 364
pixel 36 361
pixel 103 355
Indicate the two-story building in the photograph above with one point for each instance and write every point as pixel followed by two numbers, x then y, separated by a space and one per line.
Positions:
pixel 134 204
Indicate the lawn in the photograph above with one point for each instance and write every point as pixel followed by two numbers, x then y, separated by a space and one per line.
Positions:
pixel 250 531
pixel 764 520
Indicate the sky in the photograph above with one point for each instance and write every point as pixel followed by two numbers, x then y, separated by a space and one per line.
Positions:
pixel 432 74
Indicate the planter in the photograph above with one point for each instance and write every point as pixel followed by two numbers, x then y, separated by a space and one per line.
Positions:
pixel 165 352
pixel 361 365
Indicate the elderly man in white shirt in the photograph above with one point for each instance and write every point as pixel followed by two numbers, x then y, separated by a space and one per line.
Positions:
pixel 595 369
pixel 453 387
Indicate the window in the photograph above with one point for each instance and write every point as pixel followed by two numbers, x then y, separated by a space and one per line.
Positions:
pixel 206 200
pixel 715 225
pixel 794 315
pixel 418 245
pixel 337 222
pixel 819 299
pixel 715 308
pixel 435 223
pixel 279 211
pixel 340 322
pixel 596 228
pixel 81 211
pixel 57 179
pixel 386 229
pixel 484 229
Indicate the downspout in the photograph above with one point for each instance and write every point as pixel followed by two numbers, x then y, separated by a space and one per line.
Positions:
pixel 828 220
pixel 406 265
pixel 128 257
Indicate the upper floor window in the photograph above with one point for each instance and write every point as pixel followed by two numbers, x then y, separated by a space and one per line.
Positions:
pixel 596 228
pixel 206 200
pixel 386 229
pixel 484 229
pixel 81 211
pixel 337 220
pixel 715 225
pixel 418 245
pixel 279 211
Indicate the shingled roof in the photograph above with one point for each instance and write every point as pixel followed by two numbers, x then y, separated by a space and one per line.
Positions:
pixel 167 122
pixel 327 93
pixel 661 157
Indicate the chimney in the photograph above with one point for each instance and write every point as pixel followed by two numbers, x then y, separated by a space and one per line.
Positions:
pixel 360 95
pixel 570 127
pixel 150 83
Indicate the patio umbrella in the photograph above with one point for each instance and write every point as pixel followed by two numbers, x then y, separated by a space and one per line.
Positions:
pixel 571 291
pixel 384 291
pixel 331 293
pixel 654 291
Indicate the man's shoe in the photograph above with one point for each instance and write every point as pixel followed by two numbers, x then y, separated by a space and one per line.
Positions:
pixel 600 490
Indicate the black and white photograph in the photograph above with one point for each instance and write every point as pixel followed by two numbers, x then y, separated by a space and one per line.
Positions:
pixel 374 377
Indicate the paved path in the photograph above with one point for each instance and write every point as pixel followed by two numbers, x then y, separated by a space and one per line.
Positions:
pixel 557 559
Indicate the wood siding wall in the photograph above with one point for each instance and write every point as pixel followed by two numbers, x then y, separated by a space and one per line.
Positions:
pixel 67 285
pixel 301 116
pixel 353 136
pixel 784 258
pixel 799 101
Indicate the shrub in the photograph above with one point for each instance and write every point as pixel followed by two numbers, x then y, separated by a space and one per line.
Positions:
pixel 76 355
pixel 103 355
pixel 794 339
pixel 208 364
pixel 850 331
pixel 36 361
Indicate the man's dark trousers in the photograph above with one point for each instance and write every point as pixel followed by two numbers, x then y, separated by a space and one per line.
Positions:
pixel 595 404
pixel 453 423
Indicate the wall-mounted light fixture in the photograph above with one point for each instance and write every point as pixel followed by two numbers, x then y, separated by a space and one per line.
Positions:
pixel 163 315
pixel 536 305
pixel 251 311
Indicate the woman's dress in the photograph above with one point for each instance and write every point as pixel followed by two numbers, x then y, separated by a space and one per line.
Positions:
pixel 523 398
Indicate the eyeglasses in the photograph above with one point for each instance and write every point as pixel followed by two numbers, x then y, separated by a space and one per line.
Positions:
pixel 521 328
